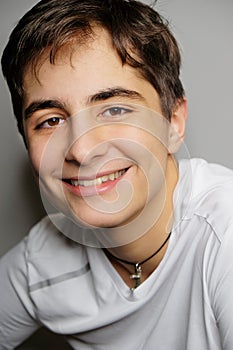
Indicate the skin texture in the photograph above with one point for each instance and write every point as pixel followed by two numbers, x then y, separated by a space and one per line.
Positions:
pixel 82 135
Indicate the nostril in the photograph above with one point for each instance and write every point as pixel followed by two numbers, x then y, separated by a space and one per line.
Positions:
pixel 86 149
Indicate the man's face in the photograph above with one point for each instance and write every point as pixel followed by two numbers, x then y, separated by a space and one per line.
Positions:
pixel 97 148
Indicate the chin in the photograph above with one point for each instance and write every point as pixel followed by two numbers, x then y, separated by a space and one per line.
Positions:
pixel 98 221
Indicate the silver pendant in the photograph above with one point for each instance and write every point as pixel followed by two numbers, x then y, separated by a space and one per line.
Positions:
pixel 136 276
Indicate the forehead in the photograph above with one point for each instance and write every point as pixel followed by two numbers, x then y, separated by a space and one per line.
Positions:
pixel 95 54
pixel 97 49
pixel 93 41
pixel 81 71
pixel 62 53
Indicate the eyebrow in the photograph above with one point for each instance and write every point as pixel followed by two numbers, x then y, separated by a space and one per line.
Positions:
pixel 115 92
pixel 42 104
pixel 99 96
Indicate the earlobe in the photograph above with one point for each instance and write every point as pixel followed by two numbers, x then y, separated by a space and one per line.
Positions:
pixel 177 126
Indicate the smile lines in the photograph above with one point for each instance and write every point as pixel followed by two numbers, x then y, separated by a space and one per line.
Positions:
pixel 99 180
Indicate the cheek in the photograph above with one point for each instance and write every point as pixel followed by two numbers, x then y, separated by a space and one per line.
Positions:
pixel 46 152
pixel 41 164
pixel 35 155
pixel 142 147
pixel 150 157
pixel 34 146
pixel 153 164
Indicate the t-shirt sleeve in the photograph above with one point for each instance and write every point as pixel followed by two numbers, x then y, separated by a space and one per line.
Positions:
pixel 17 318
pixel 222 291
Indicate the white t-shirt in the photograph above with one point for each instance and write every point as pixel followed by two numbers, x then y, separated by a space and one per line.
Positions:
pixel 185 304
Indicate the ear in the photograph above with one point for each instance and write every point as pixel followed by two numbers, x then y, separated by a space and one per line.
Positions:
pixel 177 126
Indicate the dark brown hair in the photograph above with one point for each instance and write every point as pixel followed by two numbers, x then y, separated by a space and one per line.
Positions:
pixel 139 34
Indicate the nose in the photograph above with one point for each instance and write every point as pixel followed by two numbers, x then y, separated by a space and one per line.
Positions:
pixel 85 143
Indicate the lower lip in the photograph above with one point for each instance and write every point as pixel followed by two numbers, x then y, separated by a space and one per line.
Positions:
pixel 87 191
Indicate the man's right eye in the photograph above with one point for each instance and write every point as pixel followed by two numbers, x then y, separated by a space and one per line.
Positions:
pixel 52 122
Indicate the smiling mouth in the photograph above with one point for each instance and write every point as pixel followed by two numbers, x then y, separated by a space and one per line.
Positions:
pixel 98 180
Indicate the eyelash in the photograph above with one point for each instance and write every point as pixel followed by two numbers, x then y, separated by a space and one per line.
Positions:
pixel 118 112
pixel 52 119
pixel 115 112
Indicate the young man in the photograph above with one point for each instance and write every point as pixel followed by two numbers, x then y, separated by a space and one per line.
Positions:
pixel 139 255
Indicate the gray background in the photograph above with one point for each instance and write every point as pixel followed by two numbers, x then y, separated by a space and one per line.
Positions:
pixel 204 29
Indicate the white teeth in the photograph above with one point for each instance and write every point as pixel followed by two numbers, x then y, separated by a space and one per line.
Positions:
pixel 111 177
pixel 98 180
pixel 75 182
pixel 103 178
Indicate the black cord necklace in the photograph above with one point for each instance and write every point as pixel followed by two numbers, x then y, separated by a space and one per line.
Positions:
pixel 137 275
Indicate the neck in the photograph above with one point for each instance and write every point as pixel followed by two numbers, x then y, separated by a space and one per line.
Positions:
pixel 139 250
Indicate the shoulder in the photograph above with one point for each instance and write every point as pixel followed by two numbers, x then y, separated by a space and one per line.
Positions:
pixel 209 193
pixel 203 176
pixel 51 253
pixel 46 236
pixel 45 251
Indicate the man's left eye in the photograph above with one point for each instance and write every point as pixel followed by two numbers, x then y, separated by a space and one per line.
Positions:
pixel 115 111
